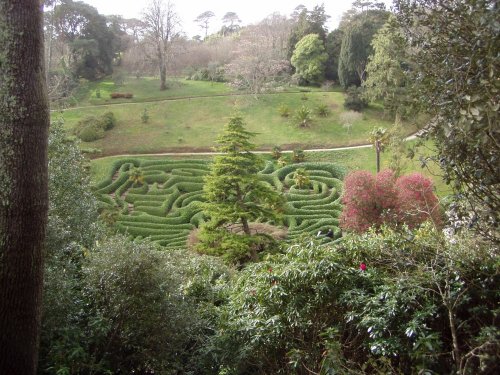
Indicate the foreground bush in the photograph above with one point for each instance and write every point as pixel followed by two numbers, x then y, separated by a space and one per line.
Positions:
pixel 133 309
pixel 377 303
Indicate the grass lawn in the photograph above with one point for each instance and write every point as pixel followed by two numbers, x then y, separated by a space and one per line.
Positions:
pixel 192 124
pixel 144 90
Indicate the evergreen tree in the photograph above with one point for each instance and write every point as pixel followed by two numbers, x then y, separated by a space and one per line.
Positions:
pixel 307 22
pixel 386 78
pixel 333 45
pixel 309 59
pixel 359 30
pixel 455 49
pixel 235 196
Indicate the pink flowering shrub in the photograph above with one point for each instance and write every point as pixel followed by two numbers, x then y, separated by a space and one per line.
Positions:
pixel 375 200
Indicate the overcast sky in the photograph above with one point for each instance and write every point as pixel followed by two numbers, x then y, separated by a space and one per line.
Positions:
pixel 249 11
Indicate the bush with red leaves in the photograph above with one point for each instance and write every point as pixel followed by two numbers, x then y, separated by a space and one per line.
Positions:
pixel 417 201
pixel 119 95
pixel 376 200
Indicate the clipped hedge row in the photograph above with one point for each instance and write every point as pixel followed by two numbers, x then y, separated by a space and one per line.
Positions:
pixel 169 203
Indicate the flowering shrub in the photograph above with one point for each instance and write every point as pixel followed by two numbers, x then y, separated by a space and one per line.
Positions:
pixel 382 199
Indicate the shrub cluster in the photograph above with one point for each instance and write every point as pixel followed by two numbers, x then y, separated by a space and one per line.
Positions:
pixel 121 95
pixel 354 99
pixel 129 309
pixel 92 128
pixel 373 304
pixel 213 73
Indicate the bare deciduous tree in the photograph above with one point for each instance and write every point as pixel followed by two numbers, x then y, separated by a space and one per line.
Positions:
pixel 260 58
pixel 161 23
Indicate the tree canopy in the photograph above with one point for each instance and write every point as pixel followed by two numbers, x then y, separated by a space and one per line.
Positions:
pixel 309 59
pixel 456 53
pixel 356 45
pixel 387 67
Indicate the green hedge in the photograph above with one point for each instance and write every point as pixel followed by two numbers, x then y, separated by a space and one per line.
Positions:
pixel 169 205
pixel 122 178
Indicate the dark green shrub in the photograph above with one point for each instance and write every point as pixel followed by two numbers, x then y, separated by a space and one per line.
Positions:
pixel 354 99
pixel 412 303
pixel 131 309
pixel 91 133
pixel 92 128
pixel 108 120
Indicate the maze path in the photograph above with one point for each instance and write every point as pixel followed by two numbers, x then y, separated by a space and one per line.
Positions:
pixel 168 205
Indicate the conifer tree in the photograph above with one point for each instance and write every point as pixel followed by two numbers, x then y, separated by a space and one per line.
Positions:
pixel 235 195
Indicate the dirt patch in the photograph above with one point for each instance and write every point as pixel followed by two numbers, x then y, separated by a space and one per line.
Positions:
pixel 278 233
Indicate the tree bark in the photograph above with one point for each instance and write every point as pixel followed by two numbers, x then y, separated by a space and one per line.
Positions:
pixel 162 66
pixel 24 121
pixel 163 78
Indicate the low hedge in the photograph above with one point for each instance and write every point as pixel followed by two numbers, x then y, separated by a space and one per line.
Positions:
pixel 122 178
pixel 121 95
pixel 169 205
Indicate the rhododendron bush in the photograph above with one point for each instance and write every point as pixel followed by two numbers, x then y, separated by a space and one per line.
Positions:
pixel 382 199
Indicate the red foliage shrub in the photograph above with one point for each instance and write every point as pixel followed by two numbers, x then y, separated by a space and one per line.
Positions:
pixel 417 201
pixel 375 200
pixel 118 95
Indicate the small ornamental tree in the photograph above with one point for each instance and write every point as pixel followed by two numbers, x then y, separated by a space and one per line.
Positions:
pixel 235 197
pixel 417 201
pixel 382 199
pixel 368 200
pixel 379 137
pixel 301 178
pixel 136 176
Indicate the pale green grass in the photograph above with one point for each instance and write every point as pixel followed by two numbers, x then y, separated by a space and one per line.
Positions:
pixel 144 90
pixel 193 124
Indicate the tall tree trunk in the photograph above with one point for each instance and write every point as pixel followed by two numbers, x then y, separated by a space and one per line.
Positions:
pixel 162 65
pixel 246 227
pixel 163 77
pixel 246 230
pixel 24 121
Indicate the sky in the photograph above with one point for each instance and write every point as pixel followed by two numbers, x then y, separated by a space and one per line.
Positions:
pixel 249 11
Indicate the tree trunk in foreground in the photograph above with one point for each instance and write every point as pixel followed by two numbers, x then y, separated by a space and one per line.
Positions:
pixel 24 121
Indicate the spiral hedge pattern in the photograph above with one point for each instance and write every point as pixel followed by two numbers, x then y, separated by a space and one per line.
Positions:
pixel 167 206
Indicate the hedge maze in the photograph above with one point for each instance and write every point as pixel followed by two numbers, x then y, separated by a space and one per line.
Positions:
pixel 167 206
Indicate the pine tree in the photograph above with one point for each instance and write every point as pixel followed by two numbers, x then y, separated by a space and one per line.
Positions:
pixel 235 195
